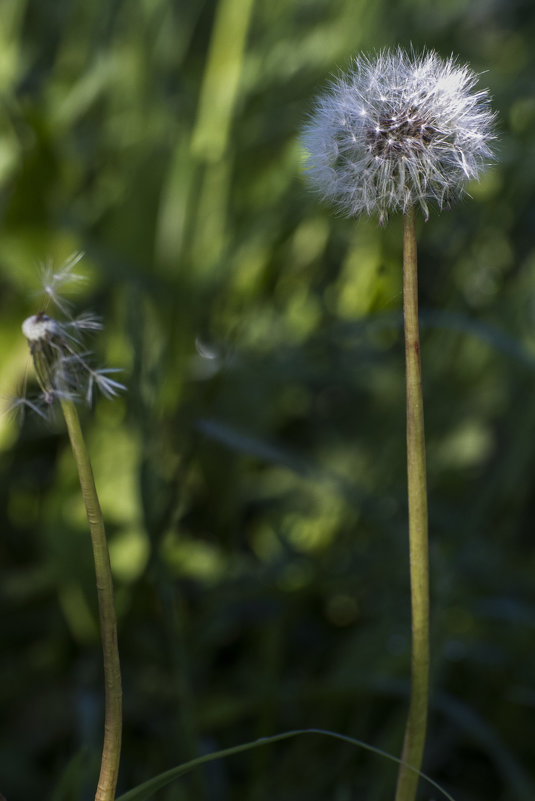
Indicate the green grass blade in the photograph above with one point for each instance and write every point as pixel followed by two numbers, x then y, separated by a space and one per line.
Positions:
pixel 145 791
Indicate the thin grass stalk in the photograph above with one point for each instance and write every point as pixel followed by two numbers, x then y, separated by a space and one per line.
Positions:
pixel 415 730
pixel 111 750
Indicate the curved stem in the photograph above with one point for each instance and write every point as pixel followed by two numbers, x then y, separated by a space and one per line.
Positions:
pixel 111 750
pixel 414 742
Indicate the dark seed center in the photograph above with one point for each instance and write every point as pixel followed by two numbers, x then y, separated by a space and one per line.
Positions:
pixel 393 136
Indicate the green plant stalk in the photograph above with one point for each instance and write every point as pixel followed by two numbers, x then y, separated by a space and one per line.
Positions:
pixel 111 750
pixel 413 746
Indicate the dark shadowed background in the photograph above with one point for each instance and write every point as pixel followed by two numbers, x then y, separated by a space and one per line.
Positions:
pixel 253 477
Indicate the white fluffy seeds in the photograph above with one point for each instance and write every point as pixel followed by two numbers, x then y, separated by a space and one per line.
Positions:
pixel 398 130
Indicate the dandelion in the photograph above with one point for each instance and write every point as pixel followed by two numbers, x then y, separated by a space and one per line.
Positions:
pixel 65 373
pixel 396 132
pixel 399 130
pixel 63 364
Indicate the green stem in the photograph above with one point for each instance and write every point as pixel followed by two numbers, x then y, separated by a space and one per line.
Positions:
pixel 108 625
pixel 413 746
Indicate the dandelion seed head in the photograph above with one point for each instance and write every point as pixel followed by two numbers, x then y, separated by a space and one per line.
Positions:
pixel 398 130
pixel 63 365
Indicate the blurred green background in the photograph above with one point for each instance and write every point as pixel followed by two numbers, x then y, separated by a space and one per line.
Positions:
pixel 253 477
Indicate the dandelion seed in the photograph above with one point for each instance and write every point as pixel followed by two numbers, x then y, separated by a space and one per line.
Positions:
pixel 399 130
pixel 19 405
pixel 52 280
pixel 109 388
pixel 85 322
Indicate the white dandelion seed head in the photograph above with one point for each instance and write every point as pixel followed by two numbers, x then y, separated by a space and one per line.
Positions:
pixel 398 130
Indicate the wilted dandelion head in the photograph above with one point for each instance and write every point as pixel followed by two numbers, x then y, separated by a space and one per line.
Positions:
pixel 398 130
pixel 63 364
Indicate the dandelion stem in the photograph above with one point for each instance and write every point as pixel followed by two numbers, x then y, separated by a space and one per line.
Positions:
pixel 414 742
pixel 108 625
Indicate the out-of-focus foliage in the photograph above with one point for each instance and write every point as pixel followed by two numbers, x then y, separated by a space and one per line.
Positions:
pixel 253 476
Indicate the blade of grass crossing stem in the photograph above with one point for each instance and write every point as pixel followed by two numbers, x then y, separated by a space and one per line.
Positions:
pixel 146 790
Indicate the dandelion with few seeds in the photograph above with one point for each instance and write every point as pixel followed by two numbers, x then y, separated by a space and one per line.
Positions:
pixel 398 131
pixel 66 374
pixel 62 363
